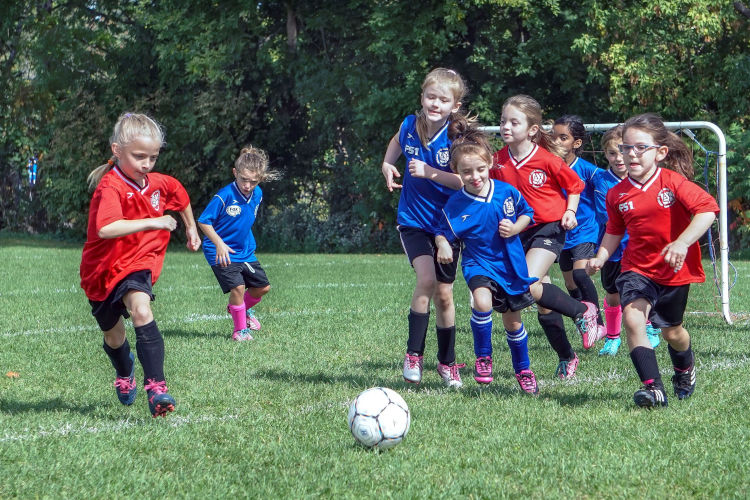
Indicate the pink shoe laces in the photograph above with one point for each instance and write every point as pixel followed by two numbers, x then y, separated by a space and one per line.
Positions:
pixel 156 387
pixel 527 381
pixel 124 384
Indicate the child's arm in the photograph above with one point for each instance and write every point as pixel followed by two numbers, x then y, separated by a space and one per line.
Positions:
pixel 124 227
pixel 193 240
pixel 418 168
pixel 609 244
pixel 674 253
pixel 389 170
pixel 222 250
pixel 444 250
pixel 508 228
pixel 568 220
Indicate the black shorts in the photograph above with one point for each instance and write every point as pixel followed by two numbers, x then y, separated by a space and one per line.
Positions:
pixel 609 273
pixel 550 236
pixel 583 251
pixel 249 274
pixel 668 303
pixel 501 300
pixel 108 311
pixel 417 242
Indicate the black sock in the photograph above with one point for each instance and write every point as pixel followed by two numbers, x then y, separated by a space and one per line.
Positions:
pixel 149 344
pixel 588 291
pixel 575 293
pixel 644 360
pixel 555 299
pixel 681 360
pixel 446 341
pixel 554 329
pixel 417 332
pixel 120 358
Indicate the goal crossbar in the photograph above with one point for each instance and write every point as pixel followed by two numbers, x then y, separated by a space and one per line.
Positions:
pixel 722 199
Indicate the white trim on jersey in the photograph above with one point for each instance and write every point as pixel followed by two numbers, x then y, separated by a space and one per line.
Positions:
pixel 130 182
pixel 644 187
pixel 476 197
pixel 438 133
pixel 520 163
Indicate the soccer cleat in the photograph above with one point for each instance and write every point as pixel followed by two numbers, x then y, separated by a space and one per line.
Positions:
pixel 587 326
pixel 610 347
pixel 413 368
pixel 602 332
pixel 159 402
pixel 242 335
pixel 684 382
pixel 527 381
pixel 653 335
pixel 650 395
pixel 567 367
pixel 483 370
pixel 450 374
pixel 125 386
pixel 252 320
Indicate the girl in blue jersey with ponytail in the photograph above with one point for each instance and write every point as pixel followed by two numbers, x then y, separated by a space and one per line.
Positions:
pixel 425 139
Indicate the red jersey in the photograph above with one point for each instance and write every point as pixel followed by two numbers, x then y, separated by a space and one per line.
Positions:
pixel 105 262
pixel 541 178
pixel 654 214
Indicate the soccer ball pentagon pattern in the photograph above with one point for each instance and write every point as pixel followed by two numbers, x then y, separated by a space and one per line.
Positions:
pixel 379 418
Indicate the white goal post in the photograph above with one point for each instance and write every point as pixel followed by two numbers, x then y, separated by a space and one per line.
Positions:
pixel 722 199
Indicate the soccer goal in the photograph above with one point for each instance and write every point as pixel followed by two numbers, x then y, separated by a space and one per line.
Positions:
pixel 721 277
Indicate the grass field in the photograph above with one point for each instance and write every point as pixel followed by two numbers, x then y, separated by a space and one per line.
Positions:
pixel 268 418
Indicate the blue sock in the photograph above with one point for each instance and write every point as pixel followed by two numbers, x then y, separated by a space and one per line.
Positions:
pixel 481 327
pixel 518 342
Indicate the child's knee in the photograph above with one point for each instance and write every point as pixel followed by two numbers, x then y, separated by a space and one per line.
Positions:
pixel 141 313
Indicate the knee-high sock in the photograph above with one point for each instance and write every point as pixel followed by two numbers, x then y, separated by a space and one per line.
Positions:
pixel 681 360
pixel 588 290
pixel 150 348
pixel 613 315
pixel 446 341
pixel 481 327
pixel 644 360
pixel 518 342
pixel 238 317
pixel 250 301
pixel 554 329
pixel 120 358
pixel 553 298
pixel 417 332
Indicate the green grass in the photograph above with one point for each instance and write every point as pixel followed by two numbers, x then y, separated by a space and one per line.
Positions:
pixel 268 418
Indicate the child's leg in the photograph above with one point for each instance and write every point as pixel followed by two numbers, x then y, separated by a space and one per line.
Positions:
pixel 254 295
pixel 586 286
pixel 118 349
pixel 236 308
pixel 613 315
pixel 149 341
pixel 419 314
pixel 517 340
pixel 643 356
pixel 571 285
pixel 683 360
pixel 481 328
pixel 445 323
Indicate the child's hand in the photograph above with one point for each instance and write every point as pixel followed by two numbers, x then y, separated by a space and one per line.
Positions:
pixel 674 254
pixel 193 240
pixel 165 222
pixel 418 168
pixel 593 265
pixel 444 254
pixel 506 228
pixel 389 172
pixel 222 254
pixel 568 220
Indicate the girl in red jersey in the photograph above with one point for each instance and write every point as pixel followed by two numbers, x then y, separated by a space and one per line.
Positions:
pixel 122 258
pixel 664 215
pixel 544 179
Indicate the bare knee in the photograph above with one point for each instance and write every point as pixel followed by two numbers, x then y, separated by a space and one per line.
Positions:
pixel 141 314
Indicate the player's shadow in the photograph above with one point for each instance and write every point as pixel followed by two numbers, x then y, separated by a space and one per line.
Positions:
pixel 351 379
pixel 192 334
pixel 13 407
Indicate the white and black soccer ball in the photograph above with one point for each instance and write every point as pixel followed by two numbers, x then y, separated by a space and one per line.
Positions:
pixel 379 418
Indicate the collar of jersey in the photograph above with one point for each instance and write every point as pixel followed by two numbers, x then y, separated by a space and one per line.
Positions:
pixel 237 188
pixel 482 199
pixel 649 182
pixel 127 180
pixel 614 176
pixel 520 163
pixel 439 132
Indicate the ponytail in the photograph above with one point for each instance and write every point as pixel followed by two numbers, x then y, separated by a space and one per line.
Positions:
pixel 96 175
pixel 679 157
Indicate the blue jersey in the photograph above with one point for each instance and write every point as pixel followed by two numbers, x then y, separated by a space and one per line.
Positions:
pixel 421 199
pixel 587 230
pixel 232 215
pixel 603 182
pixel 474 220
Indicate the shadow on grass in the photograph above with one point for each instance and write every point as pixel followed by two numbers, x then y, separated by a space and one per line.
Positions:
pixel 191 334
pixel 49 405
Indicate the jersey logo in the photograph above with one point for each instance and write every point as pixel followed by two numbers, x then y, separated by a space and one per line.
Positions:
pixel 409 136
pixel 547 242
pixel 443 156
pixel 155 200
pixel 509 209
pixel 624 207
pixel 411 150
pixel 537 178
pixel 233 210
pixel 665 198
pixel 464 217
pixel 130 195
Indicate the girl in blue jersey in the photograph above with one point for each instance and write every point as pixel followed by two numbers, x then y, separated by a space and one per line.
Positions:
pixel 229 245
pixel 425 140
pixel 487 215
pixel 568 132
pixel 603 181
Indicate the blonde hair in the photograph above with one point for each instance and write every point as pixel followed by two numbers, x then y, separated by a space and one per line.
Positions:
pixel 451 80
pixel 128 127
pixel 680 157
pixel 471 142
pixel 612 135
pixel 255 160
pixel 533 112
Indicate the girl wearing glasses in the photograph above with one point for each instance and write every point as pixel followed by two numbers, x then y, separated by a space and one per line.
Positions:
pixel 664 215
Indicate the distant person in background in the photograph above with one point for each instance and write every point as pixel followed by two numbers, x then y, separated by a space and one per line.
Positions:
pixel 229 245
pixel 664 215
pixel 127 239
pixel 425 140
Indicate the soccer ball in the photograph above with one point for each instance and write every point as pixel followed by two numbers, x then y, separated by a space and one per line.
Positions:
pixel 379 418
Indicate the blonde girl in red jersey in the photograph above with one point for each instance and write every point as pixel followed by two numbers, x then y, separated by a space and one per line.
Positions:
pixel 122 258
pixel 544 179
pixel 664 215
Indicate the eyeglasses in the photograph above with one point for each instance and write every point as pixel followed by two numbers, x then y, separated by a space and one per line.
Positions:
pixel 638 148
